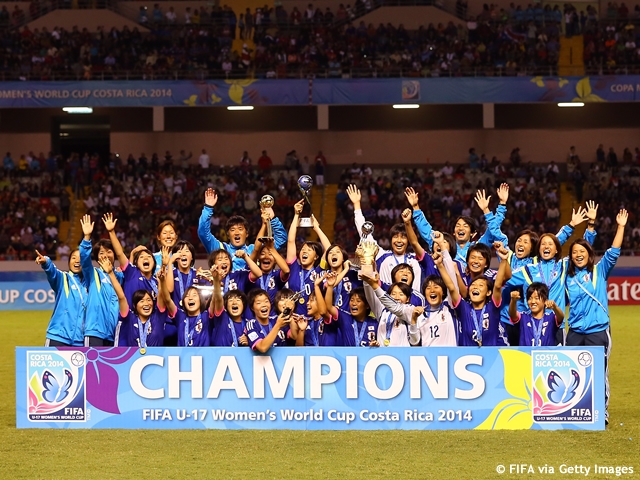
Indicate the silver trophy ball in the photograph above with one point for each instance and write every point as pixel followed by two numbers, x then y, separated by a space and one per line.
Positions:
pixel 266 201
pixel 305 183
pixel 367 229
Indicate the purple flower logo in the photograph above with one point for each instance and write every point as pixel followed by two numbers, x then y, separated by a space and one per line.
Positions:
pixel 102 378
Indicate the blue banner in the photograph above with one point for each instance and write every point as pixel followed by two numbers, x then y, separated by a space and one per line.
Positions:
pixel 372 91
pixel 311 388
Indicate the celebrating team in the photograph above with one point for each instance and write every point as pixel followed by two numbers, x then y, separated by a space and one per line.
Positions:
pixel 442 295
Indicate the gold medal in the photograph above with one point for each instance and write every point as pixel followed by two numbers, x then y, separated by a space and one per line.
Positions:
pixel 143 351
pixel 386 342
pixel 301 301
pixel 479 342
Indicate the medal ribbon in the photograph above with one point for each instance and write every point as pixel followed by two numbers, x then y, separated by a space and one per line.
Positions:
pixel 478 323
pixel 537 331
pixel 188 283
pixel 359 334
pixel 143 331
pixel 389 325
pixel 233 331
pixel 188 335
pixel 553 273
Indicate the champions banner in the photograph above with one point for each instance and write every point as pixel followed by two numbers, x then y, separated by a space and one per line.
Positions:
pixel 311 388
pixel 366 91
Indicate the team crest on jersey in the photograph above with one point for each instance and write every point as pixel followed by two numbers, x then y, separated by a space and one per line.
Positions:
pixel 233 285
pixel 272 283
pixel 485 321
pixel 347 286
pixel 56 386
pixel 562 386
pixel 198 326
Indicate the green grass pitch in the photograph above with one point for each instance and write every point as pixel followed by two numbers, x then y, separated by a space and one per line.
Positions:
pixel 67 454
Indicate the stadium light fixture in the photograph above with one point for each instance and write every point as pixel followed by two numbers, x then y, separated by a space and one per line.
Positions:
pixel 240 107
pixel 77 109
pixel 571 104
pixel 407 105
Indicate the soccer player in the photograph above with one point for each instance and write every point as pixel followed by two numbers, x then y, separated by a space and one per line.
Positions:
pixel 239 279
pixel 479 318
pixel 141 321
pixel 266 330
pixel 391 331
pixel 138 275
pixel 537 326
pixel 166 236
pixel 267 257
pixel 466 227
pixel 184 276
pixel 305 265
pixel 586 286
pixel 387 259
pixel 67 320
pixel 228 323
pixel 337 259
pixel 476 266
pixel 309 330
pixel 102 304
pixel 357 328
pixel 191 317
pixel 237 231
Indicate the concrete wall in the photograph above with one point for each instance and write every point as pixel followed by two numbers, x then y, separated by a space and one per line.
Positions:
pixel 410 17
pixel 383 147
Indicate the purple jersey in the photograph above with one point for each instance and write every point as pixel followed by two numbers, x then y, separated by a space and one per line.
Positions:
pixel 342 291
pixel 226 332
pixel 354 333
pixel 193 331
pixel 257 332
pixel 538 332
pixel 271 283
pixel 466 277
pixel 134 281
pixel 237 280
pixel 427 266
pixel 181 282
pixel 480 326
pixel 301 280
pixel 134 333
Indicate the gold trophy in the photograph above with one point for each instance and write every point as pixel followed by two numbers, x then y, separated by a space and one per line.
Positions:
pixel 366 254
pixel 265 203
pixel 304 184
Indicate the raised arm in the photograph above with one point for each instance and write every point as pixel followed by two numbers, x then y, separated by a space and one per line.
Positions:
pixel 577 217
pixel 422 224
pixel 255 271
pixel 107 267
pixel 446 278
pixel 85 249
pixel 328 296
pixel 164 297
pixel 54 276
pixel 500 280
pixel 292 251
pixel 322 305
pixel 403 311
pixel 411 234
pixel 324 240
pixel 207 238
pixel 217 301
pixel 621 220
pixel 370 284
pixel 110 225
pixel 551 305
pixel 514 316
pixel 592 214
pixel 257 245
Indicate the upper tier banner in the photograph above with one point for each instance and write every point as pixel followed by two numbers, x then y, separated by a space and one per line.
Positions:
pixel 372 91
pixel 307 388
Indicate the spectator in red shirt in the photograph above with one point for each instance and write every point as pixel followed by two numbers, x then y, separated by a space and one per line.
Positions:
pixel 264 162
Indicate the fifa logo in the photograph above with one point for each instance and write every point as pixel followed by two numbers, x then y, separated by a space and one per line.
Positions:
pixel 56 386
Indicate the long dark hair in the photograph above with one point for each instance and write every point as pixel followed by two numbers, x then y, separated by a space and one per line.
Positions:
pixel 571 271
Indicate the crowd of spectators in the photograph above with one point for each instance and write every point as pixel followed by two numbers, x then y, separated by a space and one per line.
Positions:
pixel 198 44
pixel 612 182
pixel 141 192
pixel 33 201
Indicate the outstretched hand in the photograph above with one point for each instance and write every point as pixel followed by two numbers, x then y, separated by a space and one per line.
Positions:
pixel 210 197
pixel 40 259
